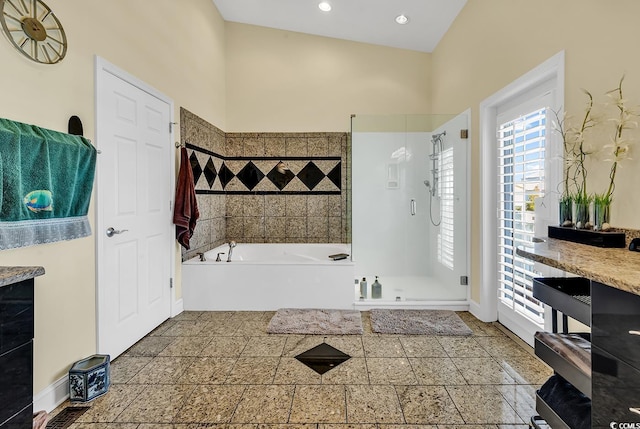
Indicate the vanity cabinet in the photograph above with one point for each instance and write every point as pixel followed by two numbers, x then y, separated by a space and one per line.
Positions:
pixel 16 346
pixel 615 356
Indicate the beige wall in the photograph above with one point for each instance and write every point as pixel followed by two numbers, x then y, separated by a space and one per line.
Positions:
pixel 493 42
pixel 178 48
pixel 280 81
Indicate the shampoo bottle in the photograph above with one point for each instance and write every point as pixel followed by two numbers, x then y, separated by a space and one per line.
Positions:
pixel 363 288
pixel 376 289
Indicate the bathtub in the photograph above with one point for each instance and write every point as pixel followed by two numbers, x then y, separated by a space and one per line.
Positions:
pixel 263 277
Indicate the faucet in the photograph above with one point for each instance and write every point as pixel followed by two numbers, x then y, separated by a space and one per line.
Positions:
pixel 218 256
pixel 232 244
pixel 202 257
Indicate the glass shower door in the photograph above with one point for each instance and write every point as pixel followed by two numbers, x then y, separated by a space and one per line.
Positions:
pixel 409 206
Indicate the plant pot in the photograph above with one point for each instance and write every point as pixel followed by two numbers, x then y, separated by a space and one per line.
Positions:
pixel 566 213
pixel 601 216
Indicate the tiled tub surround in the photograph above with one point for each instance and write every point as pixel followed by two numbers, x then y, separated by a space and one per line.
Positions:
pixel 242 197
pixel 221 369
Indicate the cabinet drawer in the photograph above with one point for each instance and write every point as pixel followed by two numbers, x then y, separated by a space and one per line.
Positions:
pixel 616 390
pixel 16 380
pixel 16 315
pixel 616 323
pixel 570 295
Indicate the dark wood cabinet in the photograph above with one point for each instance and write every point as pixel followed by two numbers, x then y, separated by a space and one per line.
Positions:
pixel 16 352
pixel 615 356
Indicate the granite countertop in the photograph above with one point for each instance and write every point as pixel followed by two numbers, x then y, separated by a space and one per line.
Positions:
pixel 618 268
pixel 11 275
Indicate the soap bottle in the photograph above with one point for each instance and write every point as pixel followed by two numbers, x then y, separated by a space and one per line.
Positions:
pixel 363 288
pixel 376 289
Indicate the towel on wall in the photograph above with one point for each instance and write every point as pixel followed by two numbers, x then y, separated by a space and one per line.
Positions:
pixel 46 180
pixel 185 209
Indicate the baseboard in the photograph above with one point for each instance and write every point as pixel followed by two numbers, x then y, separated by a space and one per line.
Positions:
pixel 177 307
pixel 479 312
pixel 52 396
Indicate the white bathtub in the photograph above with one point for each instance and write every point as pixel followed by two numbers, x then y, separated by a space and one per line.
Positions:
pixel 264 277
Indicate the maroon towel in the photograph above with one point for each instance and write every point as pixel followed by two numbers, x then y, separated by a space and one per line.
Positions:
pixel 185 209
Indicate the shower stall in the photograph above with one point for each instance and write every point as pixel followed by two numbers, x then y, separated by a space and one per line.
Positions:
pixel 409 209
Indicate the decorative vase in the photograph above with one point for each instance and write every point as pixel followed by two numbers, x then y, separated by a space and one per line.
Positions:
pixel 566 215
pixel 601 216
pixel 581 215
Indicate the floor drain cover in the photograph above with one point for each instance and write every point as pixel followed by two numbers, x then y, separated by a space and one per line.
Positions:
pixel 322 358
pixel 66 417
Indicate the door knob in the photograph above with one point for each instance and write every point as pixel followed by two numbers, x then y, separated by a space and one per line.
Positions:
pixel 111 231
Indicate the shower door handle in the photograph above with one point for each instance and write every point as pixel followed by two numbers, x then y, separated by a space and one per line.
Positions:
pixel 413 207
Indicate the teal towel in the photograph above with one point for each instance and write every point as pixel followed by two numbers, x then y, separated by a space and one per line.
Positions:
pixel 46 180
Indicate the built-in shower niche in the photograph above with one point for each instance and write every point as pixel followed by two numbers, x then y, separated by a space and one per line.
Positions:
pixel 409 196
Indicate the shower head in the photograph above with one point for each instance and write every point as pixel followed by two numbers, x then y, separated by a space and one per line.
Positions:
pixel 436 137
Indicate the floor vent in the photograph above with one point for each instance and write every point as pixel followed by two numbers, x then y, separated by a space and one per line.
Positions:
pixel 66 417
pixel 322 358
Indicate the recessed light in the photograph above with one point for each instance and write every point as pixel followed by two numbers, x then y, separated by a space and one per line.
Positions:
pixel 402 19
pixel 324 6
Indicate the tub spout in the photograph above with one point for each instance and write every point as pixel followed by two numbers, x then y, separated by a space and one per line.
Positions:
pixel 218 256
pixel 232 244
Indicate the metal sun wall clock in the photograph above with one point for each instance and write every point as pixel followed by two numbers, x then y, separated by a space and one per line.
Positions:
pixel 34 30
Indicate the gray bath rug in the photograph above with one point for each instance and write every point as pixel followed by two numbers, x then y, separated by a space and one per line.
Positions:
pixel 418 322
pixel 315 321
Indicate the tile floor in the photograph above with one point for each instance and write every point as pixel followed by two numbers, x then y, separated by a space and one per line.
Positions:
pixel 221 369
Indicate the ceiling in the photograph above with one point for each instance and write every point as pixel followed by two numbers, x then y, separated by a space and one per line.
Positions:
pixel 368 21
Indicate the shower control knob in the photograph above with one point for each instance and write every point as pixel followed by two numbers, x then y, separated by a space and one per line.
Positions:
pixel 112 231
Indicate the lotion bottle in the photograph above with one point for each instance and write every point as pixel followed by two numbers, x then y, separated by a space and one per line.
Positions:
pixel 376 289
pixel 363 288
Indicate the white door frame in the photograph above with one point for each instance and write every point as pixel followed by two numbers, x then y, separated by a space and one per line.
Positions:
pixel 103 66
pixel 553 68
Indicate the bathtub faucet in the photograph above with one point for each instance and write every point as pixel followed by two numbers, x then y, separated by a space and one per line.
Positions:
pixel 202 257
pixel 232 244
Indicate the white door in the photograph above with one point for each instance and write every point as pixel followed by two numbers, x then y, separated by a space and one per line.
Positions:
pixel 522 133
pixel 134 229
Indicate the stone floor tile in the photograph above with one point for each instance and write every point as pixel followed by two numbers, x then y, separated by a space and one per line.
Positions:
pixel 207 370
pixel 264 404
pixel 526 369
pixel 502 346
pixel 253 328
pixel 125 367
pixel 390 371
pixel 186 328
pixel 462 347
pixel 297 344
pixel 156 404
pixel 253 371
pixel 162 370
pixel 186 346
pixel 292 371
pixel 188 315
pixel 109 406
pixel 521 398
pixel 383 347
pixel 373 404
pixel 422 346
pixel 482 371
pixel 428 405
pixel 436 371
pixel 347 426
pixel 106 426
pixel 225 347
pixel 149 346
pixel 481 329
pixel 164 326
pixel 318 404
pixel 353 371
pixel 210 404
pixel 264 346
pixel 482 405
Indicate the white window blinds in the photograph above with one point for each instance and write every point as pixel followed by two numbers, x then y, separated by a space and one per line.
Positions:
pixel 521 179
pixel 445 192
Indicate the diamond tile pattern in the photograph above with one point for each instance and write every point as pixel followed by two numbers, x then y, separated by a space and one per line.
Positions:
pixel 262 175
pixel 195 167
pixel 311 175
pixel 279 179
pixel 210 172
pixel 250 175
pixel 323 358
pixel 225 175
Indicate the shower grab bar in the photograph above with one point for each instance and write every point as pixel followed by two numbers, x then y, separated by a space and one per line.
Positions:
pixel 413 207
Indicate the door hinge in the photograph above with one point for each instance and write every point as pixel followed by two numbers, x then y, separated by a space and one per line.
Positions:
pixel 171 283
pixel 464 134
pixel 464 280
